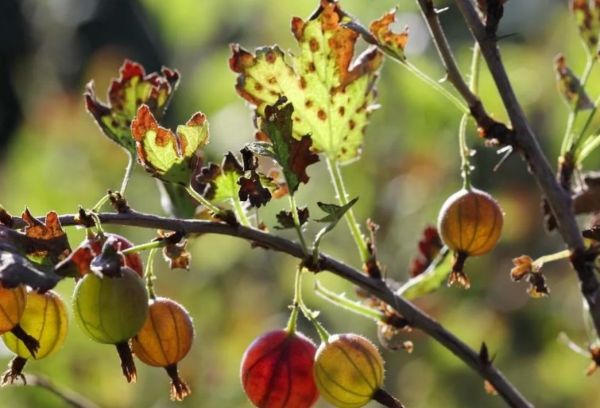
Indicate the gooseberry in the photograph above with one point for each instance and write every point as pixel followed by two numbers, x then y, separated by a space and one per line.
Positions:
pixel 45 320
pixel 348 370
pixel 111 310
pixel 470 223
pixel 12 306
pixel 164 340
pixel 277 371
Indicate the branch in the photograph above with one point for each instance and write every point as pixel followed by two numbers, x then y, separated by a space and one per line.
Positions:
pixel 69 397
pixel 490 128
pixel 526 142
pixel 376 287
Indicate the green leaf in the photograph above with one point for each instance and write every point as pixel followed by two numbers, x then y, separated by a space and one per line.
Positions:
pixel 334 214
pixel 167 156
pixel 294 156
pixel 125 95
pixel 429 281
pixel 332 95
pixel 334 211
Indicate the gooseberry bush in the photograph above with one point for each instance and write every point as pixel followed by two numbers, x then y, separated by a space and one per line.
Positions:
pixel 310 108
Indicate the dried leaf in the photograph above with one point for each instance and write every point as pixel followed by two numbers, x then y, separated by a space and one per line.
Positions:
pixel 587 14
pixel 394 42
pixel 252 190
pixel 165 155
pixel 286 219
pixel 332 95
pixel 570 87
pixel 125 95
pixel 48 242
pixel 429 247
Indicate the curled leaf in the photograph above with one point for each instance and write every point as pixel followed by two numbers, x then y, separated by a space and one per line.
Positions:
pixel 286 219
pixel 569 86
pixel 394 42
pixel 125 95
pixel 165 155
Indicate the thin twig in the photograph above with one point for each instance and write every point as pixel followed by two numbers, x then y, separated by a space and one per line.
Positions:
pixel 526 142
pixel 416 318
pixel 70 397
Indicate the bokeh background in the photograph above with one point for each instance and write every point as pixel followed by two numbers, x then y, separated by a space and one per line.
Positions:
pixel 53 157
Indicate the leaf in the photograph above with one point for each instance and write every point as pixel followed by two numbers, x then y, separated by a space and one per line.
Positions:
pixel 16 269
pixel 587 14
pixel 125 95
pixel 430 280
pixel 332 95
pixel 294 156
pixel 386 38
pixel 334 215
pixel 167 156
pixel 253 191
pixel 569 86
pixel 232 181
pixel 334 212
pixel 286 219
pixel 47 242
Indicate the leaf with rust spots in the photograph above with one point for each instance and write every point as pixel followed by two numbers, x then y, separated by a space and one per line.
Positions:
pixel 587 15
pixel 293 155
pixel 167 156
pixel 125 95
pixel 332 94
pixel 394 43
pixel 570 87
pixel 286 219
pixel 47 242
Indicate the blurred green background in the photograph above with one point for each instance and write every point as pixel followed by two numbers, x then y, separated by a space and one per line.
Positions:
pixel 53 157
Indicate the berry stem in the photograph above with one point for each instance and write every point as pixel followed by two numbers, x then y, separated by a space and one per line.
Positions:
pixel 557 256
pixel 465 151
pixel 240 212
pixel 198 197
pixel 127 174
pixel 145 246
pixel 100 203
pixel 149 273
pixel 297 226
pixel 291 325
pixel 342 301
pixel 342 197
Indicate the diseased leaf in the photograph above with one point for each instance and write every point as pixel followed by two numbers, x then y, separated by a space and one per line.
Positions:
pixel 293 155
pixel 386 38
pixel 587 14
pixel 569 86
pixel 16 269
pixel 231 180
pixel 165 155
pixel 47 241
pixel 286 219
pixel 125 95
pixel 252 190
pixel 332 95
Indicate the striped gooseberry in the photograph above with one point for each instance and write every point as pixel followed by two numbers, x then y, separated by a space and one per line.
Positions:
pixel 470 224
pixel 44 319
pixel 277 371
pixel 111 310
pixel 348 370
pixel 12 307
pixel 164 340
